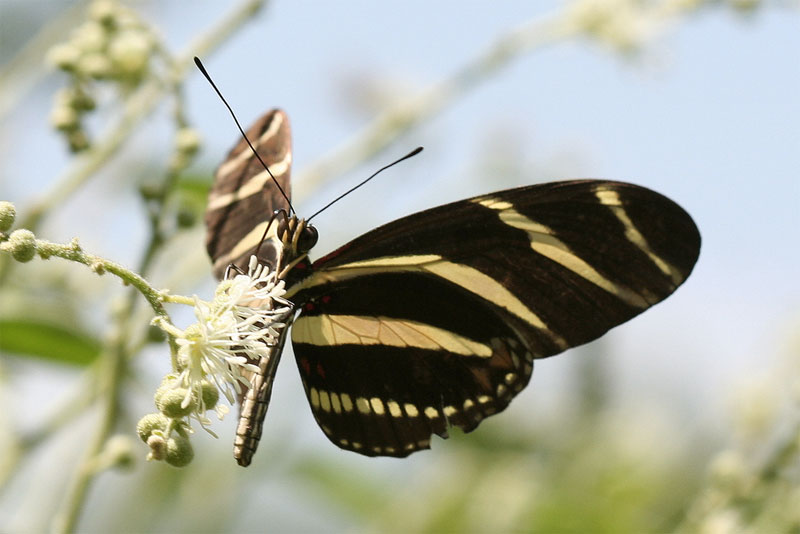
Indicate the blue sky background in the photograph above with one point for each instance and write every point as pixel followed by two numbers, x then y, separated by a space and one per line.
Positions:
pixel 709 115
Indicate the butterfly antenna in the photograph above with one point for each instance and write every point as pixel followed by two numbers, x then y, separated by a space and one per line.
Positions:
pixel 205 73
pixel 376 173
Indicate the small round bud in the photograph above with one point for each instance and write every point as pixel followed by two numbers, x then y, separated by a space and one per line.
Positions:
pixel 210 394
pixel 150 423
pixel 77 140
pixel 119 451
pixel 130 52
pixel 81 100
pixel 186 218
pixel 95 65
pixel 187 141
pixel 7 215
pixel 177 162
pixel 155 334
pixel 172 402
pixel 179 451
pixel 64 56
pixel 158 447
pixel 169 380
pixel 23 245
pixel 90 37
pixel 74 97
pixel 104 12
pixel 64 118
pixel 151 191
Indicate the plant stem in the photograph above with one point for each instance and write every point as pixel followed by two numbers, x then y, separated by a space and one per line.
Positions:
pixel 144 102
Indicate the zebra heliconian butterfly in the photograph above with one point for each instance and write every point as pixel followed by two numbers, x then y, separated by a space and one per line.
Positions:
pixel 435 319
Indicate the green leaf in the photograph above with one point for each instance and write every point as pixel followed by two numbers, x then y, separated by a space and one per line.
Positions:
pixel 193 186
pixel 47 341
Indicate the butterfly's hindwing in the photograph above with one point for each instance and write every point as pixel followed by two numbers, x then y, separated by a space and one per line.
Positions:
pixel 444 311
pixel 385 369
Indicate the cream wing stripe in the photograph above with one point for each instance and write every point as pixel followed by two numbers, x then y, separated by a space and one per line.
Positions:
pixel 246 154
pixel 544 241
pixel 327 330
pixel 248 242
pixel 466 277
pixel 254 185
pixel 611 199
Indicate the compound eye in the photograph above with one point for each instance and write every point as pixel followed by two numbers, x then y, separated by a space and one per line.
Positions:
pixel 308 238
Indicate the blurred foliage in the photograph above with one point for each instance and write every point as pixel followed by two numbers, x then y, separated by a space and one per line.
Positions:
pixel 36 338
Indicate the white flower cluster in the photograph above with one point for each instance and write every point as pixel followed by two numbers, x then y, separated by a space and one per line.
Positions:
pixel 236 328
pixel 232 332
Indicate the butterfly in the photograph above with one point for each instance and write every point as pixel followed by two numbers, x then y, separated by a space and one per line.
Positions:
pixel 434 320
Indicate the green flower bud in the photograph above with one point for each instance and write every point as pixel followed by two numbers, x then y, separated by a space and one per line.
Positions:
pixel 77 140
pixel 169 380
pixel 90 37
pixel 119 451
pixel 186 218
pixel 64 118
pixel 22 244
pixel 179 452
pixel 130 52
pixel 81 100
pixel 170 401
pixel 155 334
pixel 149 424
pixel 64 56
pixel 187 141
pixel 95 65
pixel 7 215
pixel 104 12
pixel 151 191
pixel 210 394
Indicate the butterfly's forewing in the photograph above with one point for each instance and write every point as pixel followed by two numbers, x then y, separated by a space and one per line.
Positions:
pixel 244 196
pixel 240 207
pixel 435 319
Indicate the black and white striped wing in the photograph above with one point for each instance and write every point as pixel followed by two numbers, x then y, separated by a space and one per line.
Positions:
pixel 434 320
pixel 244 197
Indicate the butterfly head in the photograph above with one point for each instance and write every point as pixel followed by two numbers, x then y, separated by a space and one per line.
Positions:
pixel 305 238
pixel 296 235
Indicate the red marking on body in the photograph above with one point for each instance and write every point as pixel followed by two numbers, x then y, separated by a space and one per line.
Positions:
pixel 309 306
pixel 326 299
